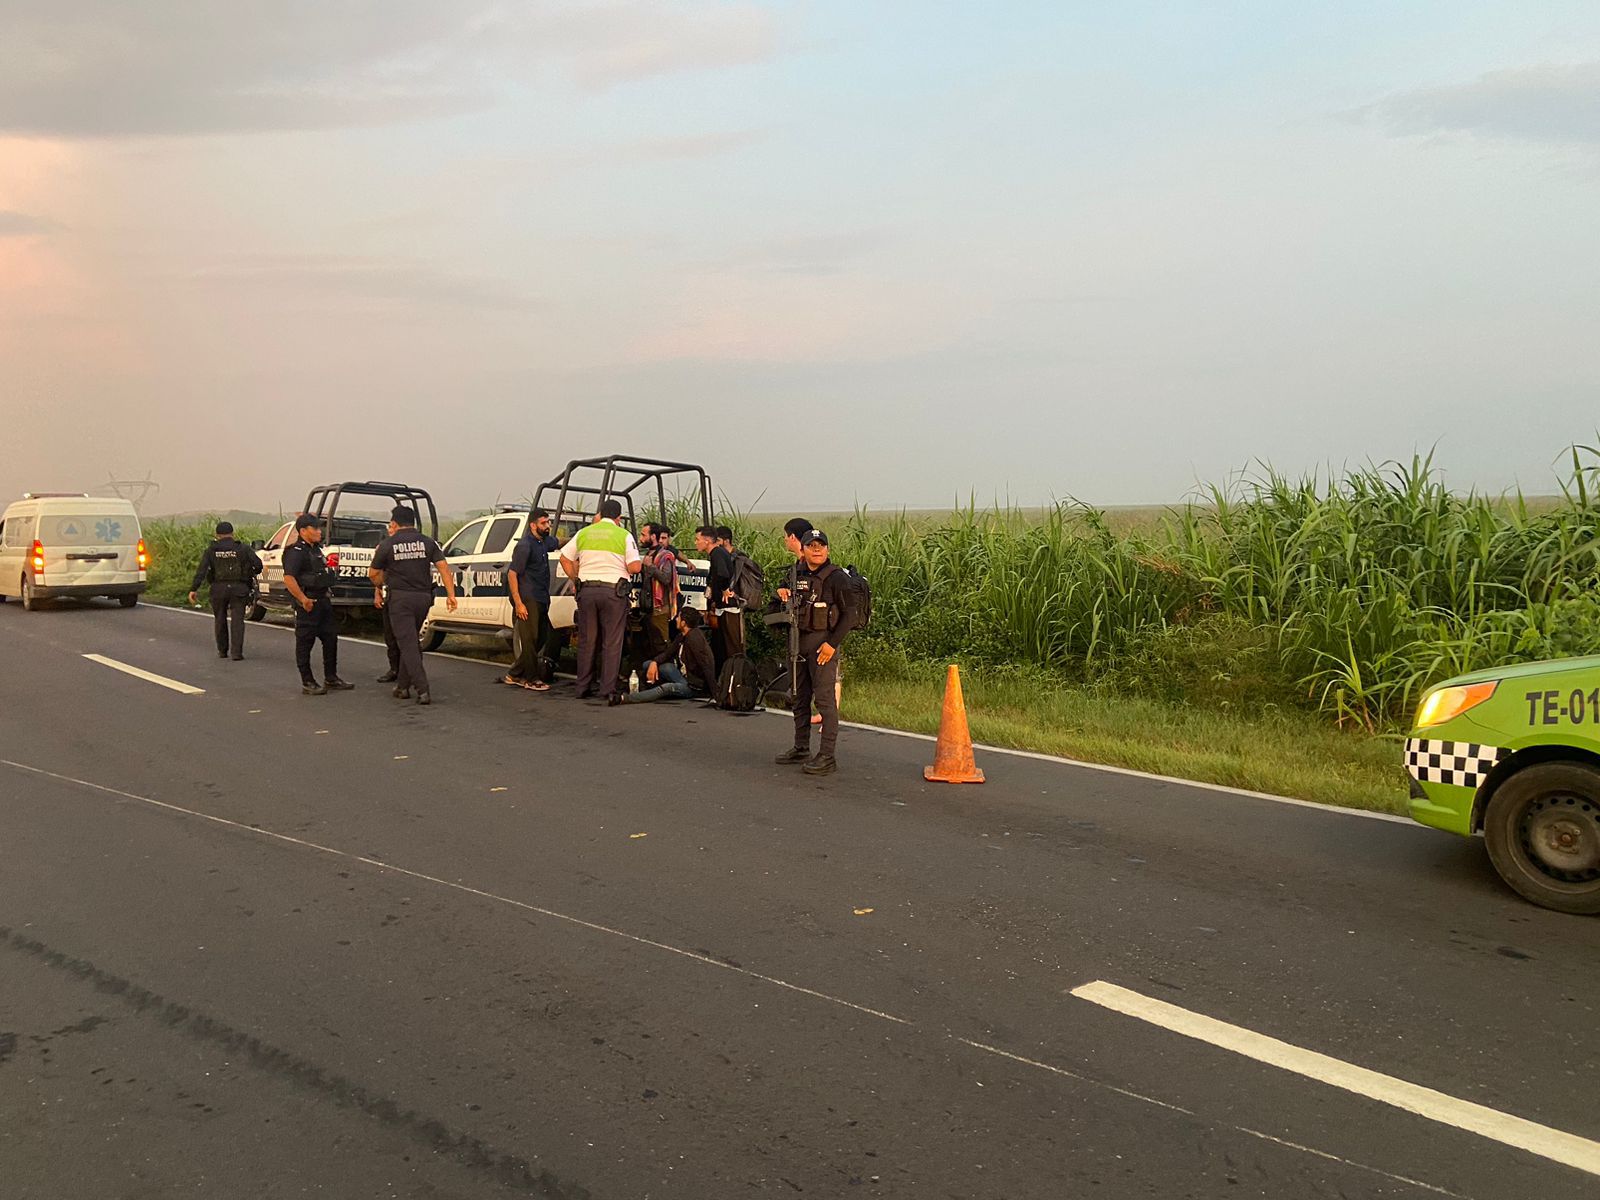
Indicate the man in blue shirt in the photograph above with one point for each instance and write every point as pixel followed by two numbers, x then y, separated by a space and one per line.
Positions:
pixel 529 580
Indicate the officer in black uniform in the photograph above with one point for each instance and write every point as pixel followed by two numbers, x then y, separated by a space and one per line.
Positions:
pixel 230 567
pixel 824 604
pixel 403 564
pixel 390 646
pixel 309 580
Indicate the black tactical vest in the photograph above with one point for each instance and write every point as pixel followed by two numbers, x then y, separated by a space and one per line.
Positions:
pixel 227 563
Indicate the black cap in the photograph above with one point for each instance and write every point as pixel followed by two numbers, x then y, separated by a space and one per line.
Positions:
pixel 224 526
pixel 812 536
pixel 307 521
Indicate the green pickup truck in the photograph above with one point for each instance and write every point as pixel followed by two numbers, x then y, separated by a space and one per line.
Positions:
pixel 1514 752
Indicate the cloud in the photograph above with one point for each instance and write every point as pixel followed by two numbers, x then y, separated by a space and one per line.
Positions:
pixel 311 276
pixel 108 68
pixel 17 224
pixel 1549 103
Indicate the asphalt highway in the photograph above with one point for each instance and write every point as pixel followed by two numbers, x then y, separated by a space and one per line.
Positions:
pixel 259 944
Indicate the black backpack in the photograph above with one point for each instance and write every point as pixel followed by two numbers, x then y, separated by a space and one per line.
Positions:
pixel 738 689
pixel 863 596
pixel 749 580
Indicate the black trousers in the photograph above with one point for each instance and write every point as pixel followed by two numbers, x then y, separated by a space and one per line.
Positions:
pixel 535 638
pixel 312 627
pixel 602 624
pixel 227 613
pixel 389 644
pixel 407 611
pixel 812 682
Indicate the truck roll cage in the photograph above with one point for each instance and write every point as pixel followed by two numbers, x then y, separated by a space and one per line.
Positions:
pixel 618 477
pixel 324 502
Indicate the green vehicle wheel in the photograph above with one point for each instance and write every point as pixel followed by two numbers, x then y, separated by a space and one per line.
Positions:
pixel 1543 833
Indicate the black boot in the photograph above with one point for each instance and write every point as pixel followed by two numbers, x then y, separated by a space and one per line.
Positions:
pixel 789 757
pixel 310 687
pixel 822 764
pixel 402 693
pixel 388 677
pixel 335 684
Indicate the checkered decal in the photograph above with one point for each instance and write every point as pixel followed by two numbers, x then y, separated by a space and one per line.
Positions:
pixel 1459 764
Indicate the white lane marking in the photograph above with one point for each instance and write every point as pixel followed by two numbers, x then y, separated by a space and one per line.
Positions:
pixel 461 887
pixel 1037 756
pixel 1566 1148
pixel 148 676
pixel 713 962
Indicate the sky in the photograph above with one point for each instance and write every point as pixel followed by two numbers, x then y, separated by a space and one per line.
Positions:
pixel 894 253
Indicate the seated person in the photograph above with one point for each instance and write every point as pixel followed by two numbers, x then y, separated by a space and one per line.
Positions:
pixel 685 668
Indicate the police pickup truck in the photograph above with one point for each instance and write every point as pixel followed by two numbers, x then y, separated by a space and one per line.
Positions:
pixel 355 518
pixel 480 554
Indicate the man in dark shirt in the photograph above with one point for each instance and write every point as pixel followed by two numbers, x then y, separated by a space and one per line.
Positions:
pixel 529 581
pixel 309 580
pixel 825 608
pixel 685 669
pixel 230 567
pixel 719 580
pixel 404 563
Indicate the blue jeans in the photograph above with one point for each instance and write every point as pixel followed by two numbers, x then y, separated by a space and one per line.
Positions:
pixel 670 685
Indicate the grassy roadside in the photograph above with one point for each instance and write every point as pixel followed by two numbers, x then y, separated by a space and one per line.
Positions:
pixel 1285 753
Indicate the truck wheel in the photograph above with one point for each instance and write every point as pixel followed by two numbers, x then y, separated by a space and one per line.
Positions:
pixel 1543 834
pixel 30 601
pixel 127 601
pixel 258 613
pixel 429 639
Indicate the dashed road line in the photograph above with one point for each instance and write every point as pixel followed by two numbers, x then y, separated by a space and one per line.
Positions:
pixel 1566 1148
pixel 186 689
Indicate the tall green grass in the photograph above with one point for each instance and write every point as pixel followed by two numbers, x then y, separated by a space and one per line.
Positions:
pixel 175 548
pixel 1349 595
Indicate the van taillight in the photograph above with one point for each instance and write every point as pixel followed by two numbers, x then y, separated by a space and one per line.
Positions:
pixel 38 557
pixel 144 558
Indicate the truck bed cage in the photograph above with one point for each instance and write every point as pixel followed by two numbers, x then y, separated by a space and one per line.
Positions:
pixel 324 501
pixel 619 477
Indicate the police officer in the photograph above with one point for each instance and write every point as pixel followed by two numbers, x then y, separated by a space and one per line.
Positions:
pixel 309 581
pixel 230 567
pixel 600 560
pixel 403 564
pixel 391 646
pixel 823 601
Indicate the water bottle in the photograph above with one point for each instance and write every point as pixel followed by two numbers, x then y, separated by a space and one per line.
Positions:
pixel 633 682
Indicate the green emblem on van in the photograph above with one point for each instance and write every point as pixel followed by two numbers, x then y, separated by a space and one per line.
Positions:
pixel 1515 753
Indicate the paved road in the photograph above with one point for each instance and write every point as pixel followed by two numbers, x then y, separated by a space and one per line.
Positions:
pixel 259 944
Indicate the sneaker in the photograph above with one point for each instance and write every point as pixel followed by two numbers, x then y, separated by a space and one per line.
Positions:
pixel 335 684
pixel 822 764
pixel 799 754
pixel 424 698
pixel 310 687
pixel 402 693
pixel 388 677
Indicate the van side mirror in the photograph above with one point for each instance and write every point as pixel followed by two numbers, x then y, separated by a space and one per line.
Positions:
pixel 258 544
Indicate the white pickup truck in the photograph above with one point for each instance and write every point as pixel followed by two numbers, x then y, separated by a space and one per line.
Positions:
pixel 480 554
pixel 355 518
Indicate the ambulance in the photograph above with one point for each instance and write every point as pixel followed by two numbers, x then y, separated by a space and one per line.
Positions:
pixel 71 544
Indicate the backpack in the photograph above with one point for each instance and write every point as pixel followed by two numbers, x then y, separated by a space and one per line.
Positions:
pixel 738 690
pixel 749 581
pixel 863 596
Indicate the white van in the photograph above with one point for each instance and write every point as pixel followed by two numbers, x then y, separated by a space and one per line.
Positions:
pixel 55 544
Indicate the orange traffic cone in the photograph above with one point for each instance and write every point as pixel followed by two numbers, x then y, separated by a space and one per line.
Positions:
pixel 952 755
